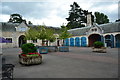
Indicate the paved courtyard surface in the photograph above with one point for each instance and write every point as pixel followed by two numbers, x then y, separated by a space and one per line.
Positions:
pixel 80 62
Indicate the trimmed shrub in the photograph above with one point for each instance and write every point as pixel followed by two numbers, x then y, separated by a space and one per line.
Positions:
pixel 98 44
pixel 28 48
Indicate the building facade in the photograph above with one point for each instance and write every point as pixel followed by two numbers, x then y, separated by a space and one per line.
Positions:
pixel 108 33
pixel 15 34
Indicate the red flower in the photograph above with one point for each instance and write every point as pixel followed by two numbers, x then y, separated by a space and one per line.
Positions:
pixel 23 54
pixel 31 53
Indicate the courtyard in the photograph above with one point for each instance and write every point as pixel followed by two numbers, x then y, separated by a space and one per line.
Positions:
pixel 80 62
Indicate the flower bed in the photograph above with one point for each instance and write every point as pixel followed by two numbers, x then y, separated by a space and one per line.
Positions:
pixel 99 47
pixel 29 55
pixel 30 59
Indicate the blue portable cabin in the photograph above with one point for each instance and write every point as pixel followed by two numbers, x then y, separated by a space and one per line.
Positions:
pixel 77 41
pixel 83 41
pixel 117 41
pixel 112 40
pixel 66 42
pixel 72 42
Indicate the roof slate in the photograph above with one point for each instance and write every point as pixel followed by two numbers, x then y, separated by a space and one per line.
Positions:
pixel 107 28
pixel 8 27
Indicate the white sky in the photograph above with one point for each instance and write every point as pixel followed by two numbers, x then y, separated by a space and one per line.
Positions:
pixel 54 12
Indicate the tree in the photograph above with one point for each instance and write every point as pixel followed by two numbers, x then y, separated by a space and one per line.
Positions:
pixel 64 33
pixel 29 22
pixel 41 33
pixel 31 34
pixel 117 20
pixel 77 17
pixel 101 18
pixel 15 18
pixel 51 36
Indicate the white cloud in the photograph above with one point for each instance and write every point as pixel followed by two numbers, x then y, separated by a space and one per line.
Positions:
pixel 49 20
pixel 54 12
pixel 4 18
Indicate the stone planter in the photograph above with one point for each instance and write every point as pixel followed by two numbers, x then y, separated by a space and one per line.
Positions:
pixel 43 50
pixel 29 60
pixel 48 49
pixel 52 48
pixel 64 49
pixel 100 50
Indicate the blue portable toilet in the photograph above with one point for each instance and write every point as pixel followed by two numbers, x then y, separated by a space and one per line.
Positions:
pixel 112 41
pixel 66 42
pixel 108 40
pixel 83 42
pixel 71 41
pixel 77 41
pixel 102 38
pixel 117 40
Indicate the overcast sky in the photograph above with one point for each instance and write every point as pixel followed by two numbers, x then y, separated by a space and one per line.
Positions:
pixel 54 12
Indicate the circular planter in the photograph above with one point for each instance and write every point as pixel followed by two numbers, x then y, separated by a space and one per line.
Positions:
pixel 100 50
pixel 29 60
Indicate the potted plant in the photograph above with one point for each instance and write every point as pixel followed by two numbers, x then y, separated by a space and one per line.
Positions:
pixel 29 55
pixel 99 47
pixel 63 36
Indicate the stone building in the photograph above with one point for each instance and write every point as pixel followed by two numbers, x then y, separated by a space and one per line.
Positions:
pixel 81 37
pixel 107 33
pixel 15 33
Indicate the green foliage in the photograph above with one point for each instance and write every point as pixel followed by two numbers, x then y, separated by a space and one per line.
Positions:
pixel 28 48
pixel 101 18
pixel 51 37
pixel 16 18
pixel 64 34
pixel 31 34
pixel 117 20
pixel 98 44
pixel 42 33
pixel 77 16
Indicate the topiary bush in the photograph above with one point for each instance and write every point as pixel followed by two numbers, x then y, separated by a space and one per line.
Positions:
pixel 98 44
pixel 28 48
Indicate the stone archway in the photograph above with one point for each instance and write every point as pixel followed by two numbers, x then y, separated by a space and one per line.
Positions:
pixel 117 40
pixel 93 38
pixel 21 40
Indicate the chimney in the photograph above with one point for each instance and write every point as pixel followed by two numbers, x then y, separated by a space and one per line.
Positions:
pixel 89 19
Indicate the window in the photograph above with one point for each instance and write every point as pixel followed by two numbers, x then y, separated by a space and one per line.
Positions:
pixel 22 29
pixel 92 29
pixel 95 29
pixel 9 39
pixel 35 41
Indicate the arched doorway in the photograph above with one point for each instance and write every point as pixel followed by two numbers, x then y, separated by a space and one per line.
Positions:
pixel 117 40
pixel 21 40
pixel 93 38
